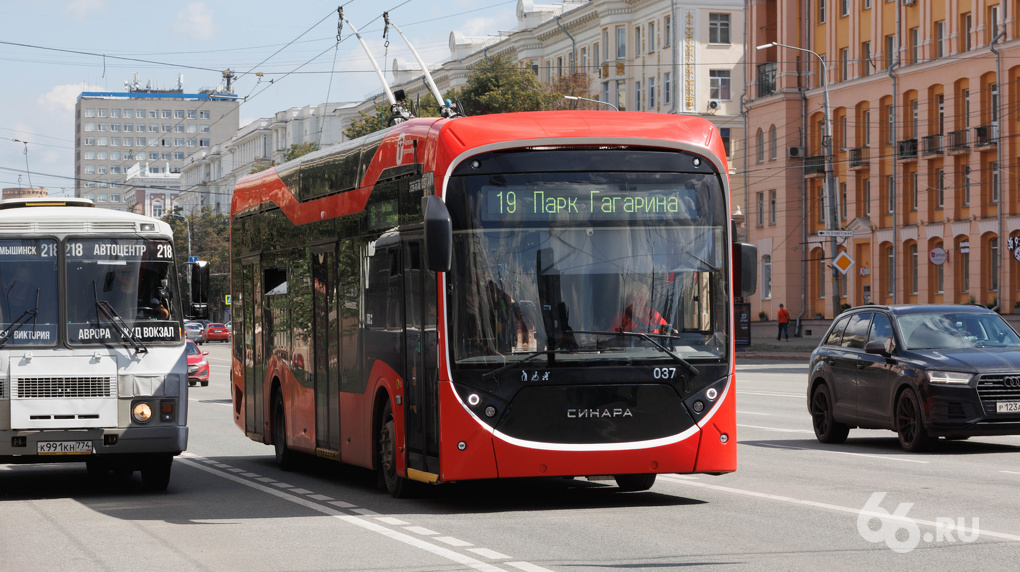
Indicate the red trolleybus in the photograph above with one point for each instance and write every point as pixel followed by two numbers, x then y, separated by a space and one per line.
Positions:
pixel 532 294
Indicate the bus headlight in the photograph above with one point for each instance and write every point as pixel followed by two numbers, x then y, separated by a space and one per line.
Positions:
pixel 141 412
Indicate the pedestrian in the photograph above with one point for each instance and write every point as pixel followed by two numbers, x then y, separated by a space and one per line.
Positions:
pixel 783 317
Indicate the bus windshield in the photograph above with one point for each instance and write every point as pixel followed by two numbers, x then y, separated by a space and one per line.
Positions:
pixel 133 277
pixel 28 299
pixel 571 267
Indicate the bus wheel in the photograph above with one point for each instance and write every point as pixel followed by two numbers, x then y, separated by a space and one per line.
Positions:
pixel 386 464
pixel 640 482
pixel 156 472
pixel 284 456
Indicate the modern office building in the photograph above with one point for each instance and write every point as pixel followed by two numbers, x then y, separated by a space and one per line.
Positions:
pixel 922 108
pixel 155 129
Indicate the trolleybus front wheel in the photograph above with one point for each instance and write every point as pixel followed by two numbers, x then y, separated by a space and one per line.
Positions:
pixel 640 482
pixel 386 464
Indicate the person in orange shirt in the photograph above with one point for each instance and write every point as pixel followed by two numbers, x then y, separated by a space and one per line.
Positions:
pixel 783 317
pixel 637 316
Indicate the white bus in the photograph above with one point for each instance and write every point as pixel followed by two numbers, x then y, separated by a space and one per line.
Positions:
pixel 92 352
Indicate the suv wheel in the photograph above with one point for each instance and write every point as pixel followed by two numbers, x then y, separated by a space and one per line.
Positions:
pixel 909 423
pixel 827 429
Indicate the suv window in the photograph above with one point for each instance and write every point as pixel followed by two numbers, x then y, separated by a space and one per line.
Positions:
pixel 857 331
pixel 837 332
pixel 881 329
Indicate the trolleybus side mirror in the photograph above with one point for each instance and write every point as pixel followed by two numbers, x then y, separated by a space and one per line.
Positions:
pixel 438 234
pixel 745 269
pixel 200 290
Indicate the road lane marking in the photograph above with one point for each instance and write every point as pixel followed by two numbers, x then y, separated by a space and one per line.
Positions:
pixel 773 394
pixel 838 508
pixel 1010 472
pixel 342 504
pixel 359 521
pixel 422 531
pixel 739 412
pixel 490 554
pixel 869 455
pixel 453 541
pixel 301 491
pixel 778 429
pixel 391 521
pixel 320 497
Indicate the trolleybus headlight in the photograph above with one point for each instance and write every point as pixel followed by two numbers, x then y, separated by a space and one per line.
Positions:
pixel 473 399
pixel 141 412
pixel 711 394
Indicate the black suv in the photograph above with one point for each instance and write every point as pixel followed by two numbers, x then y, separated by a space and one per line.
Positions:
pixel 922 371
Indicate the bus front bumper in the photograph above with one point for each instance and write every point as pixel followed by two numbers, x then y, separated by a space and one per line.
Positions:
pixel 80 444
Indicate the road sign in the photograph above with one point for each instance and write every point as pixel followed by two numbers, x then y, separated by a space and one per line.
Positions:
pixel 192 259
pixel 843 262
pixel 226 299
pixel 836 233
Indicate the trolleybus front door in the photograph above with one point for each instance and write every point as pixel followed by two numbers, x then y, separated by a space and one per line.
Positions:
pixel 421 361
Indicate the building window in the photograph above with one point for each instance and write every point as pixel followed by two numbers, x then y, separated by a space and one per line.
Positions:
pixel 844 7
pixel 638 45
pixel 940 39
pixel 890 51
pixel 844 64
pixel 965 31
pixel 667 87
pixel 651 94
pixel 773 143
pixel 940 189
pixel 719 84
pixel 965 96
pixel 621 42
pixel 129 114
pixel 637 96
pixel 651 37
pixel 821 277
pixel 890 183
pixel 203 114
pixel 890 123
pixel 913 268
pixel 940 274
pixel 821 11
pixel 915 45
pixel 90 112
pixel 842 201
pixel 153 114
pixel 993 22
pixel 963 261
pixel 772 207
pixel 865 59
pixel 766 277
pixel 90 127
pixel 993 264
pixel 203 142
pixel 724 133
pixel 761 209
pixel 104 113
pixel 192 114
pixel 994 168
pixel 867 197
pixel 718 28
pixel 667 31
pixel 154 156
pixel 890 271
pixel 760 144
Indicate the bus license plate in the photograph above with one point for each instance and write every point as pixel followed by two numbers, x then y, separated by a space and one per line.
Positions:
pixel 64 447
pixel 1007 406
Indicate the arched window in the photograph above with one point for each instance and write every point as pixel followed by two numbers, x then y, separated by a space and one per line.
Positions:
pixel 761 146
pixel 773 143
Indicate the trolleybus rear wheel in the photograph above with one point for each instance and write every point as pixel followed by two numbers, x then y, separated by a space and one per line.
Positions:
pixel 284 456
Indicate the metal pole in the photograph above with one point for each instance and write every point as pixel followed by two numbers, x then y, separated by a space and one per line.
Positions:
pixel 832 222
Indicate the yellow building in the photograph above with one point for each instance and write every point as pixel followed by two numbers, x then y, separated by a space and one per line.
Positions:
pixel 923 99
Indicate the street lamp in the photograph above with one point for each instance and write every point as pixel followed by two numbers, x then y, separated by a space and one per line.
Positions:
pixel 830 180
pixel 575 98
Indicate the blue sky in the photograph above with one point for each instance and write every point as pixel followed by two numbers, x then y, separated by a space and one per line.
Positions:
pixel 39 83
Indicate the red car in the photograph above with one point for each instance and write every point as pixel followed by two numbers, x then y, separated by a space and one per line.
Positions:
pixel 216 332
pixel 198 366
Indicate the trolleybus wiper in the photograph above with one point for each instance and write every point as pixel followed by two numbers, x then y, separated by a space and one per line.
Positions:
pixel 107 311
pixel 20 322
pixel 649 339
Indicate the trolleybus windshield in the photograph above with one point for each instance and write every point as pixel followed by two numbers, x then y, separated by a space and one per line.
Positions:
pixel 575 265
pixel 133 276
pixel 28 292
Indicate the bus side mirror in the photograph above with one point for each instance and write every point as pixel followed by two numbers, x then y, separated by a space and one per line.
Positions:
pixel 200 290
pixel 438 234
pixel 745 269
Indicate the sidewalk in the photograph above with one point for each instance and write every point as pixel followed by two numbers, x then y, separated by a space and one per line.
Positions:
pixel 765 346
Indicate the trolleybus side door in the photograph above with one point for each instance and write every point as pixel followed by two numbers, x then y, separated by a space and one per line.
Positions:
pixel 421 360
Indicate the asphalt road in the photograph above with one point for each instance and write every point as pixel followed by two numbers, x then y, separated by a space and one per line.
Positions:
pixel 792 504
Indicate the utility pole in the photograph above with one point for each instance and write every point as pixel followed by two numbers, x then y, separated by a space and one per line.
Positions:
pixel 832 220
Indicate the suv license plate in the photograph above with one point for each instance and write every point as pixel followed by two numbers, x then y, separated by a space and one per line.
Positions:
pixel 1007 406
pixel 64 447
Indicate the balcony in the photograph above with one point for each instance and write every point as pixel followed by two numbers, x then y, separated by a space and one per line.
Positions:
pixel 860 158
pixel 814 165
pixel 958 142
pixel 986 135
pixel 767 79
pixel 931 145
pixel 906 150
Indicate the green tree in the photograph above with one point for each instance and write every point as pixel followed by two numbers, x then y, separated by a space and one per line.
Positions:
pixel 500 85
pixel 210 241
pixel 369 122
pixel 298 149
